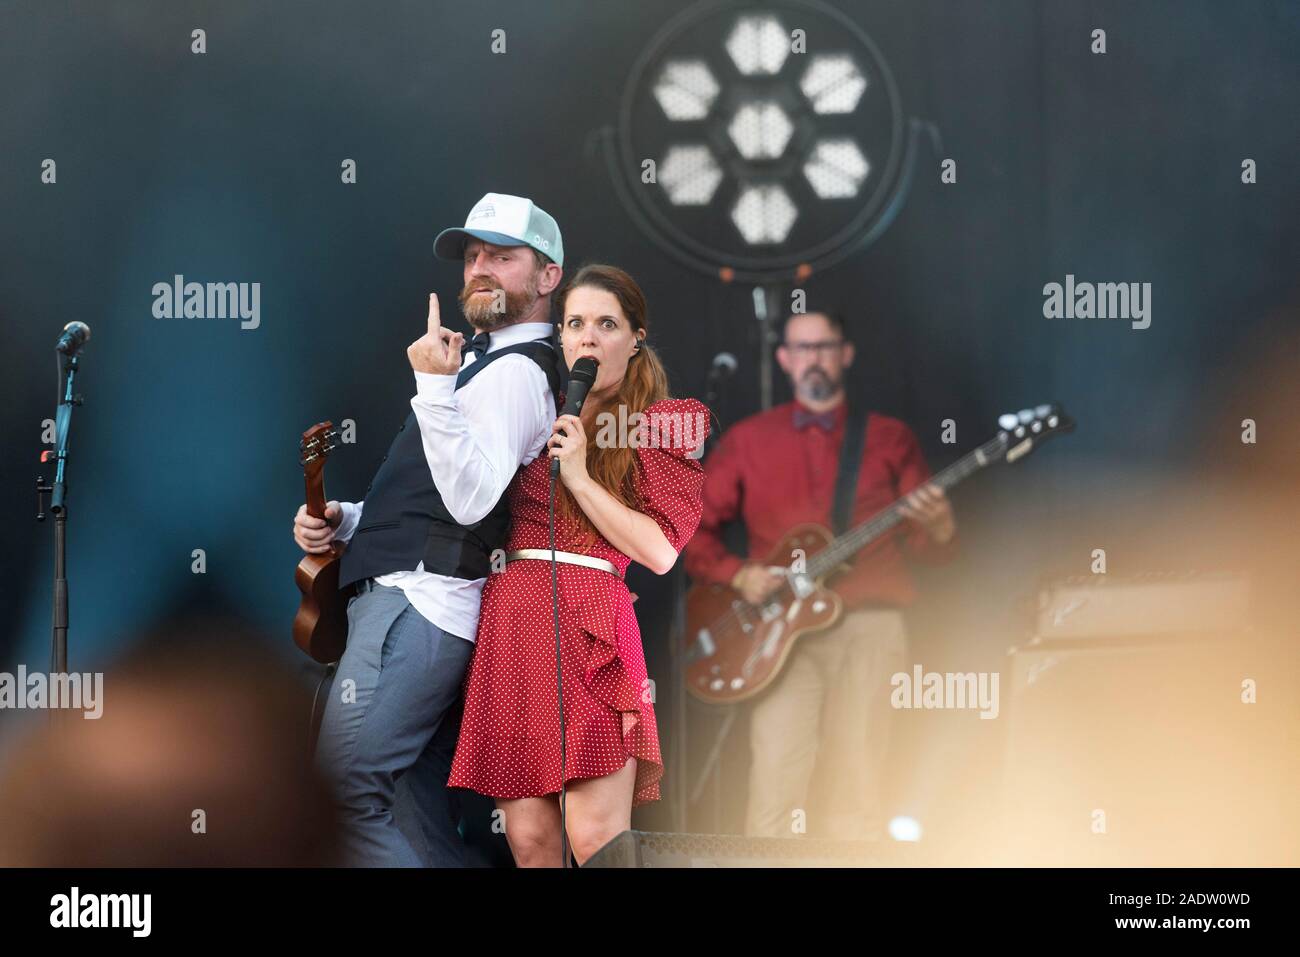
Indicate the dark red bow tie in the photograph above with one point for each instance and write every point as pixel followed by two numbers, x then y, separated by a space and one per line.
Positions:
pixel 804 418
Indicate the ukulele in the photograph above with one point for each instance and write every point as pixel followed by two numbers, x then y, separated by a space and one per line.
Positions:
pixel 737 649
pixel 321 626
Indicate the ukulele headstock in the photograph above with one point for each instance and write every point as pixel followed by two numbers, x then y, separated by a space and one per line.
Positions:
pixel 317 443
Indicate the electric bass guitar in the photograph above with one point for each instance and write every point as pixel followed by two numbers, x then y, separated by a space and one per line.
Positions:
pixel 321 626
pixel 736 649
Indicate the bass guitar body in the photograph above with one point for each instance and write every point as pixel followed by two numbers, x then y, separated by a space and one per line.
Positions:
pixel 738 649
pixel 735 649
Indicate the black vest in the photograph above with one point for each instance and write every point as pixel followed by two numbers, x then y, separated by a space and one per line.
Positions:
pixel 404 520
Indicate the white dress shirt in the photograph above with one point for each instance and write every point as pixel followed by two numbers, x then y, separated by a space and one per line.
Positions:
pixel 475 440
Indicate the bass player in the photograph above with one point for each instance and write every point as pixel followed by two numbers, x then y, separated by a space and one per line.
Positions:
pixel 820 734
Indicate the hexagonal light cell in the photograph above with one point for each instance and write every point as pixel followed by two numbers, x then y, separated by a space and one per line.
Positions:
pixel 760 130
pixel 833 83
pixel 758 44
pixel 686 90
pixel 689 175
pixel 764 214
pixel 836 169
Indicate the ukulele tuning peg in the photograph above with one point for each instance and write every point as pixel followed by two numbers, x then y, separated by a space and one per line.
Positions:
pixel 1008 421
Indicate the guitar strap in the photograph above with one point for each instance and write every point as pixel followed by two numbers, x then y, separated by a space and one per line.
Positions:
pixel 846 478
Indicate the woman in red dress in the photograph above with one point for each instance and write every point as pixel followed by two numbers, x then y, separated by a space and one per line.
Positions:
pixel 625 494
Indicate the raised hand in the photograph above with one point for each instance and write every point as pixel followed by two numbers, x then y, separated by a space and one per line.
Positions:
pixel 438 350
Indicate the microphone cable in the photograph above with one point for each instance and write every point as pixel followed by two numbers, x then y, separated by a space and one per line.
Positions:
pixel 559 683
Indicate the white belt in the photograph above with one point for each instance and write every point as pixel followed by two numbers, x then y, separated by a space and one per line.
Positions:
pixel 568 558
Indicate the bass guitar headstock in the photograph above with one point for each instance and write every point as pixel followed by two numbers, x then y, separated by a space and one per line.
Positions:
pixel 1022 432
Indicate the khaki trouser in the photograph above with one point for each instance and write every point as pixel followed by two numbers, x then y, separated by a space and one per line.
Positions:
pixel 820 735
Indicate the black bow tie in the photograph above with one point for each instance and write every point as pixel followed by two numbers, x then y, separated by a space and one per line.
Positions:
pixel 479 344
pixel 804 418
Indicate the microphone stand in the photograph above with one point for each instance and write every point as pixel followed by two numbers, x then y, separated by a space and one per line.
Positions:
pixel 58 491
pixel 574 400
pixel 684 796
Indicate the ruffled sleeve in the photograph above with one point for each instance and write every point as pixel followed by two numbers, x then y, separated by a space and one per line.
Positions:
pixel 669 477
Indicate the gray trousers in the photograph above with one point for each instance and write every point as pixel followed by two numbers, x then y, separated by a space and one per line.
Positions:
pixel 393 715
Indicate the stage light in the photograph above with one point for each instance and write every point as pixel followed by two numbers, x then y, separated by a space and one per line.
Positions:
pixel 689 175
pixel 758 45
pixel 905 829
pixel 761 142
pixel 686 90
pixel 764 214
pixel 833 84
pixel 760 131
pixel 836 169
pixel 776 134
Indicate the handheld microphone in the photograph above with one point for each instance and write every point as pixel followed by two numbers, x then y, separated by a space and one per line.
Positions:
pixel 581 377
pixel 75 335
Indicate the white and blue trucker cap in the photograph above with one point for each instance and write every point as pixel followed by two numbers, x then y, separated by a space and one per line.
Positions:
pixel 504 220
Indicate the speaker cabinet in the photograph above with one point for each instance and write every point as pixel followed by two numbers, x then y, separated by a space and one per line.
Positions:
pixel 1137 753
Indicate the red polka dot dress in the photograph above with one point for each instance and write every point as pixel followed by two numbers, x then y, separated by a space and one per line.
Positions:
pixel 509 744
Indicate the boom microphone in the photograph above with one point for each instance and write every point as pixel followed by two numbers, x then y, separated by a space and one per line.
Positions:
pixel 581 377
pixel 724 364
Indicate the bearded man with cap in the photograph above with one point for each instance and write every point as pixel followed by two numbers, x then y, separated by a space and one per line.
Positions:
pixel 419 544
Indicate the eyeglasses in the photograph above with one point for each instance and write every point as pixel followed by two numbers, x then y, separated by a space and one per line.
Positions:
pixel 826 347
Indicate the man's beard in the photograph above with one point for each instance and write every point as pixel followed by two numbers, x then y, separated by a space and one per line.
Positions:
pixel 817 385
pixel 482 311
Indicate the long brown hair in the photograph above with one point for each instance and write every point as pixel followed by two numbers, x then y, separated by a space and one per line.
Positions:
pixel 644 383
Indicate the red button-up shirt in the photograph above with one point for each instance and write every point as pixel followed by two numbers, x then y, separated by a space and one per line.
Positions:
pixel 773 476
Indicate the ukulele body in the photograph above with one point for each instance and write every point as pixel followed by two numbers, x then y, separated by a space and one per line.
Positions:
pixel 320 628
